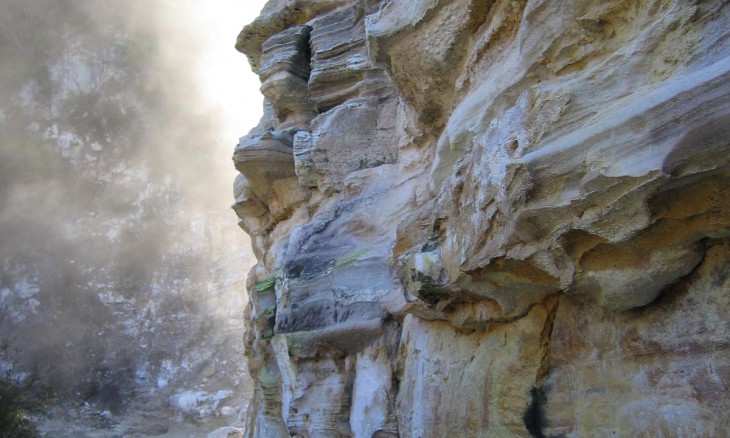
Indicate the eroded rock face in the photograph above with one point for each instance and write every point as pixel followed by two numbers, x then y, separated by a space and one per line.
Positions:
pixel 501 218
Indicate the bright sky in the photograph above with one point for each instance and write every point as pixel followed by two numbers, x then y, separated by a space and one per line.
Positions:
pixel 201 34
pixel 225 72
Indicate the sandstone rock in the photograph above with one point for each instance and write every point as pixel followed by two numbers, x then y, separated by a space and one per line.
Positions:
pixel 662 369
pixel 324 157
pixel 506 212
pixel 284 74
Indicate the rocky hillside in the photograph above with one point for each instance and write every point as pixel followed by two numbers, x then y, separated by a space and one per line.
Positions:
pixel 120 267
pixel 489 218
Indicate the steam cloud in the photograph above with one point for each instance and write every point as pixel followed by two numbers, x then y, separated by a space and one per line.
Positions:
pixel 120 261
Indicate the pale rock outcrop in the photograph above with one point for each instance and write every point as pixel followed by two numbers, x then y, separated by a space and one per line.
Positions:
pixel 500 218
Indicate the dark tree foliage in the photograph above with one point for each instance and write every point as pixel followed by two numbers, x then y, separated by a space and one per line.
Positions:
pixel 17 400
pixel 15 405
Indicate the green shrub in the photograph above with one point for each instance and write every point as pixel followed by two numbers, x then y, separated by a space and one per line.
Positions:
pixel 16 399
pixel 15 405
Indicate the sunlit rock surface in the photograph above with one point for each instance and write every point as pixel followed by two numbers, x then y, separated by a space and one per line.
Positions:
pixel 510 218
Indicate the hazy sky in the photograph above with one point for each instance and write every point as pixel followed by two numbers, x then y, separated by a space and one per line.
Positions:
pixel 225 72
pixel 117 126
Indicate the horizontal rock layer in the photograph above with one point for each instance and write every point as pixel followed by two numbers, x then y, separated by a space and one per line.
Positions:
pixel 500 218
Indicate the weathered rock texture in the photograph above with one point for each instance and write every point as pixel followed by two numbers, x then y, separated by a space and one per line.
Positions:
pixel 489 218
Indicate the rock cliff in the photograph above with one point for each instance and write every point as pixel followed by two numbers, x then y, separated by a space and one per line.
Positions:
pixel 485 218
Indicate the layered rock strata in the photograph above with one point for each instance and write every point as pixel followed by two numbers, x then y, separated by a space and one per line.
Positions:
pixel 489 218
